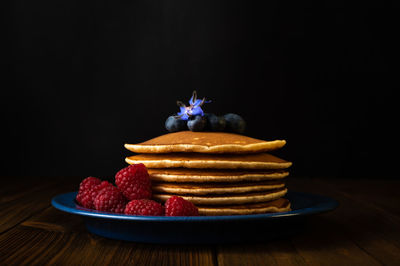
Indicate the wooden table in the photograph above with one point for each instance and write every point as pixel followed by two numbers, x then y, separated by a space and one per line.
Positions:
pixel 364 230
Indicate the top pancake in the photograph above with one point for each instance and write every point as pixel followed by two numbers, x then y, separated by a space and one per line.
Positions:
pixel 205 142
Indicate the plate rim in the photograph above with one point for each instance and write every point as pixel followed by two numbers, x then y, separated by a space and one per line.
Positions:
pixel 326 204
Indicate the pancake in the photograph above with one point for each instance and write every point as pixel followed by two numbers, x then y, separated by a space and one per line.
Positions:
pixel 214 161
pixel 279 205
pixel 227 199
pixel 205 142
pixel 215 188
pixel 213 175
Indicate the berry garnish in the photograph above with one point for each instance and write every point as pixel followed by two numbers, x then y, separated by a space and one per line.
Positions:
pixel 134 182
pixel 197 120
pixel 214 122
pixel 178 206
pixel 235 123
pixel 174 124
pixel 193 109
pixel 196 123
pixel 144 207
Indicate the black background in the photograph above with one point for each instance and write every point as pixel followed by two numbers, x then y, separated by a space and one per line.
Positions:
pixel 81 78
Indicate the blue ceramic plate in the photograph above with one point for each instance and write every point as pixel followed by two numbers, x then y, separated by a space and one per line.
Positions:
pixel 200 229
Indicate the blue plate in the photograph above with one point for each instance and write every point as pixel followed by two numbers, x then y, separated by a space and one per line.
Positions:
pixel 199 229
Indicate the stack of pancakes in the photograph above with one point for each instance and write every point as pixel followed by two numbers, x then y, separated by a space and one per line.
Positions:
pixel 221 173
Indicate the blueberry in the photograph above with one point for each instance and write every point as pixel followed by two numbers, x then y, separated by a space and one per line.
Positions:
pixel 234 123
pixel 215 123
pixel 196 123
pixel 174 124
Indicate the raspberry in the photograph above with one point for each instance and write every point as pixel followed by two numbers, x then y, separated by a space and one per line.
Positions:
pixel 144 207
pixel 98 188
pixel 83 197
pixel 87 195
pixel 178 206
pixel 134 182
pixel 88 183
pixel 110 199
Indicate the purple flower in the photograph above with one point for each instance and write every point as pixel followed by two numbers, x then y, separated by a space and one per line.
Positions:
pixel 193 109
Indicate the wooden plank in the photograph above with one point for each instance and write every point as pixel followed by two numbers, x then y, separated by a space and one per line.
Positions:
pixel 380 193
pixel 284 253
pixel 16 209
pixel 25 245
pixel 20 187
pixel 370 228
pixel 277 252
pixel 363 213
pixel 324 243
pixel 52 219
pixel 321 244
pixel 346 236
pixel 147 254
pixel 239 255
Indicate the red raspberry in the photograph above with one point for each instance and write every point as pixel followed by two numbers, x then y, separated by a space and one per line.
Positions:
pixel 134 182
pixel 144 207
pixel 110 199
pixel 89 183
pixel 87 195
pixel 178 206
pixel 102 185
pixel 83 197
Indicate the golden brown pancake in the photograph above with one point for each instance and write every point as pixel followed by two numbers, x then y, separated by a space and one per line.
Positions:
pixel 279 205
pixel 215 188
pixel 205 142
pixel 213 175
pixel 214 161
pixel 227 199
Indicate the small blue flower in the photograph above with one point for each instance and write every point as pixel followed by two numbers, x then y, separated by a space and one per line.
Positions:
pixel 193 109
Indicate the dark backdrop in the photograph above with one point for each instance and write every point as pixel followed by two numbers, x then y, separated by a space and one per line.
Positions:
pixel 81 78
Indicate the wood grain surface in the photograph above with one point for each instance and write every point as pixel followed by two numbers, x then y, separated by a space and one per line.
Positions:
pixel 363 230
